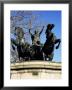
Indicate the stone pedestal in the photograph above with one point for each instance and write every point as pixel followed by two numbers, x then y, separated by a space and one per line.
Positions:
pixel 36 70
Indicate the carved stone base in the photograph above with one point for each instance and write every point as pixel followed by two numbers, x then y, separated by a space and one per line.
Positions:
pixel 36 70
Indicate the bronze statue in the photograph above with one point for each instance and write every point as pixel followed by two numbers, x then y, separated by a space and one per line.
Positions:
pixel 23 48
pixel 36 45
pixel 19 35
pixel 35 51
pixel 36 36
pixel 51 40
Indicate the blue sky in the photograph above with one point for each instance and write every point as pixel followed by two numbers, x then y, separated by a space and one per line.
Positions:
pixel 49 17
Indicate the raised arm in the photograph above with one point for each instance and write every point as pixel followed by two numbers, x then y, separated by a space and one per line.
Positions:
pixel 30 32
pixel 41 31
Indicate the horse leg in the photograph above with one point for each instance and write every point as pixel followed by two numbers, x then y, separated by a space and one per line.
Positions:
pixel 46 58
pixel 51 57
pixel 57 41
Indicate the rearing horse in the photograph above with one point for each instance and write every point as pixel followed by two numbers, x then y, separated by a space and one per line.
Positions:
pixel 22 47
pixel 48 47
